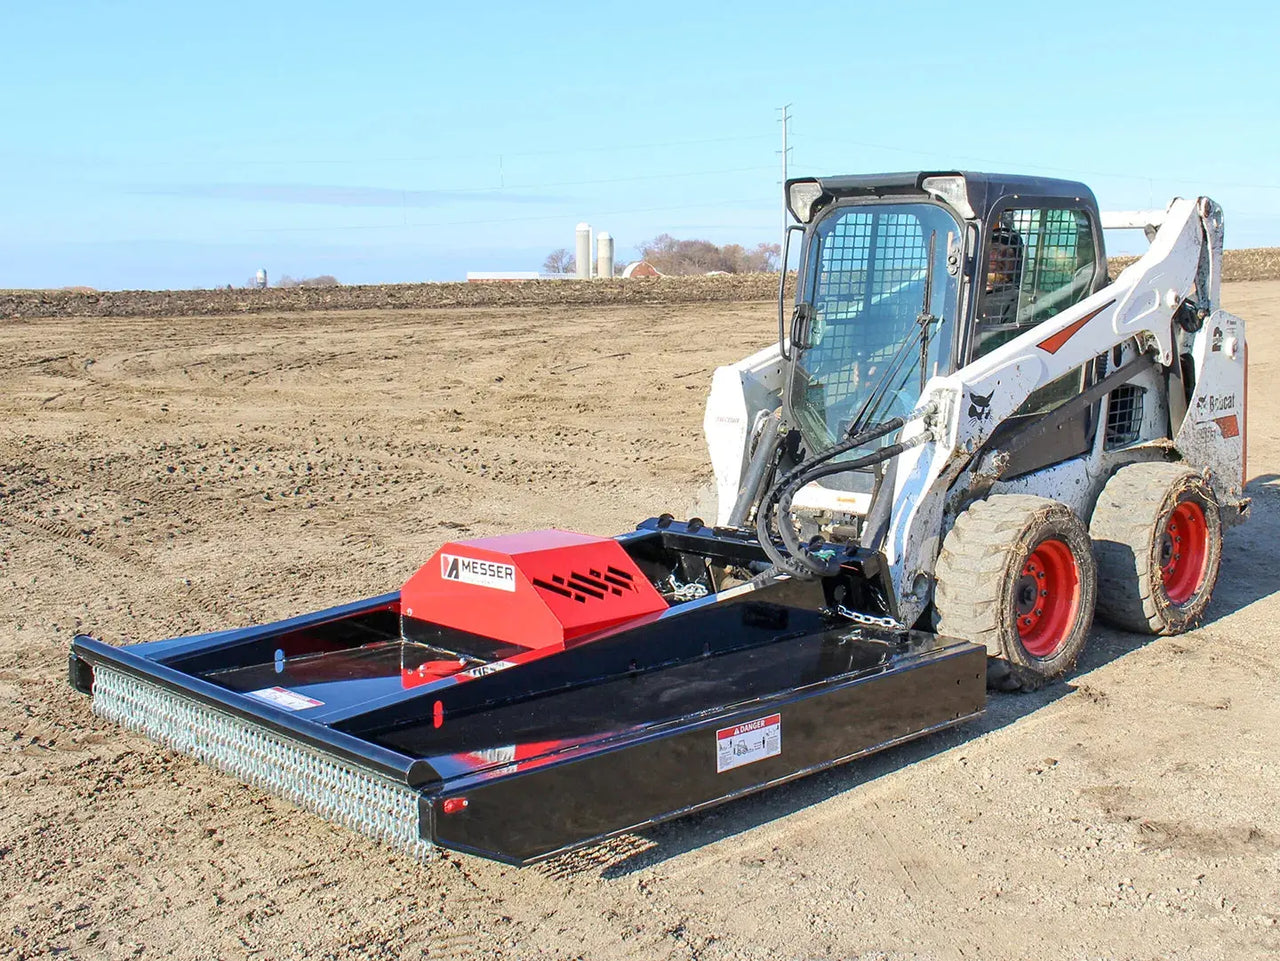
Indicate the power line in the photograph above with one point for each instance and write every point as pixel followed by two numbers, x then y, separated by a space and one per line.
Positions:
pixel 611 180
pixel 1004 164
pixel 733 202
pixel 406 160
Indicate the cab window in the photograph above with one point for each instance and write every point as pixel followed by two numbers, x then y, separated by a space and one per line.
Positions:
pixel 1040 261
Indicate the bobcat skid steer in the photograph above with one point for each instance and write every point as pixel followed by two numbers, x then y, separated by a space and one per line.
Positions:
pixel 1064 440
pixel 967 438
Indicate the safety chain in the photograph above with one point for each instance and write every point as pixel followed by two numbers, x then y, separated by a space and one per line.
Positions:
pixel 686 592
pixel 870 620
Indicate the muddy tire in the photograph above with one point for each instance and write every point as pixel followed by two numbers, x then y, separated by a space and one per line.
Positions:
pixel 1157 535
pixel 1017 574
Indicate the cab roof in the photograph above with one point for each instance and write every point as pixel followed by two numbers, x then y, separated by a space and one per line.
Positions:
pixel 984 190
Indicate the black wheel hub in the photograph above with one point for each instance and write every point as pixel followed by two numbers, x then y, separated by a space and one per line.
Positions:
pixel 1025 594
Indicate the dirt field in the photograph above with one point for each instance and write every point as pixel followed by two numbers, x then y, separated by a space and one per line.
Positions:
pixel 167 476
pixel 1260 263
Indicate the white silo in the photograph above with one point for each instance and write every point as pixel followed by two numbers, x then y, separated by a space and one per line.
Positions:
pixel 260 279
pixel 583 255
pixel 604 255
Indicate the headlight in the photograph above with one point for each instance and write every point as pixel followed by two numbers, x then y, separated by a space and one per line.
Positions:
pixel 950 189
pixel 801 196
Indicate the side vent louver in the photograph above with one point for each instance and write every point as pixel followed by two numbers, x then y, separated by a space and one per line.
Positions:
pixel 594 584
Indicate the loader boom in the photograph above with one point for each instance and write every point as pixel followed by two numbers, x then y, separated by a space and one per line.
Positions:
pixel 1139 307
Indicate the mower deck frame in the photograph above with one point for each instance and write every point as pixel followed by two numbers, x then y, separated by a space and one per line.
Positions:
pixel 534 753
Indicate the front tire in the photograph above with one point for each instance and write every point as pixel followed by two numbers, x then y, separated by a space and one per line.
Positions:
pixel 1157 533
pixel 1017 574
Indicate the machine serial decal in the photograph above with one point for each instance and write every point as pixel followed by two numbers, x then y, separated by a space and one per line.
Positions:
pixel 287 699
pixel 1054 343
pixel 470 570
pixel 745 743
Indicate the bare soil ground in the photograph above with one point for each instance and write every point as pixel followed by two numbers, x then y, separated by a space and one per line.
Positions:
pixel 162 476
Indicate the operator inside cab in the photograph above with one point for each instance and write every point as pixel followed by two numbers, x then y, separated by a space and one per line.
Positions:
pixel 1004 268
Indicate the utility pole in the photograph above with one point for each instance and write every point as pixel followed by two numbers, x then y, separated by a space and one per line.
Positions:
pixel 786 123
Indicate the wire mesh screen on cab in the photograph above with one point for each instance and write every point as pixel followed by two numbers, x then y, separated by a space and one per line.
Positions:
pixel 867 289
pixel 1040 261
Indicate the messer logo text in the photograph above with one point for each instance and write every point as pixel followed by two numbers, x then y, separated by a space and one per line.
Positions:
pixel 472 570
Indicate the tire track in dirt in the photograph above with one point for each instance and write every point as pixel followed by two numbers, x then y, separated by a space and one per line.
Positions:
pixel 87 551
pixel 563 416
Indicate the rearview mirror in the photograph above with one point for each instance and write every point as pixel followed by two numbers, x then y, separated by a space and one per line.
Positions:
pixel 783 264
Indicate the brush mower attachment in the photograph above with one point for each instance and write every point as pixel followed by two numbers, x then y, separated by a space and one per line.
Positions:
pixel 525 695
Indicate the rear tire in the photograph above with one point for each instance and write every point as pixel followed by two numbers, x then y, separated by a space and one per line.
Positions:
pixel 1157 534
pixel 1017 574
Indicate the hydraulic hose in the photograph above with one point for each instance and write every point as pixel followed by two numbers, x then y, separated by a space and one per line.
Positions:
pixel 802 562
pixel 761 460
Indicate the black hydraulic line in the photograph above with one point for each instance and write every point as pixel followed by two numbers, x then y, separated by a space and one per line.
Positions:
pixel 766 448
pixel 802 563
pixel 883 454
pixel 817 567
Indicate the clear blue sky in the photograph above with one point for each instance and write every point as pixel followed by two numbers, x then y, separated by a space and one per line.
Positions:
pixel 174 145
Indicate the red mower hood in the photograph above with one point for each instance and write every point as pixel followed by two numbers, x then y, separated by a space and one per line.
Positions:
pixel 533 590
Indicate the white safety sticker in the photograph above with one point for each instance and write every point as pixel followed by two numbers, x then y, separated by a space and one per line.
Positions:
pixel 287 699
pixel 493 667
pixel 472 570
pixel 752 741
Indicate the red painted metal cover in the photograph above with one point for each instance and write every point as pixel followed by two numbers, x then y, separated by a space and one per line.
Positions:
pixel 534 590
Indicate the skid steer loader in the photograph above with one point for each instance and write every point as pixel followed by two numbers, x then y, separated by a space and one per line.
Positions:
pixel 966 439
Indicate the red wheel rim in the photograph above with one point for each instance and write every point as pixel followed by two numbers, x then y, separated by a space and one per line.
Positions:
pixel 1184 552
pixel 1046 598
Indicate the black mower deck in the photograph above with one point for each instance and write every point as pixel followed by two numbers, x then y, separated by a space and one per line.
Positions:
pixel 518 759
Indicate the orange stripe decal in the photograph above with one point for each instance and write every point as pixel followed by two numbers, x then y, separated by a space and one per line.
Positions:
pixel 1053 343
pixel 1229 426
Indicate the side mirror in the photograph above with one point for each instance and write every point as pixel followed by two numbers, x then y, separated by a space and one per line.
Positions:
pixel 782 288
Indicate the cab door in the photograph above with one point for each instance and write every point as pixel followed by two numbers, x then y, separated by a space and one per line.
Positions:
pixel 1039 260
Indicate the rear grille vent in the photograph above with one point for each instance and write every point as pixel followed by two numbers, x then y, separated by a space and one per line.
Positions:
pixel 1124 416
pixel 593 585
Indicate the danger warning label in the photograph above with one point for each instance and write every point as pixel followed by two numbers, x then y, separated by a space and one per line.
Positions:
pixel 747 742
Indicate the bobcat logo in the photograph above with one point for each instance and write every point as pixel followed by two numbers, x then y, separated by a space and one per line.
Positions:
pixel 980 407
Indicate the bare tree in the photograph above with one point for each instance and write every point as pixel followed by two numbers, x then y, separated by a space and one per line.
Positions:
pixel 677 257
pixel 559 261
pixel 324 280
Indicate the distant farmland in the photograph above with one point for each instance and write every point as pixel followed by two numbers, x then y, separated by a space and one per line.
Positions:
pixel 1252 264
